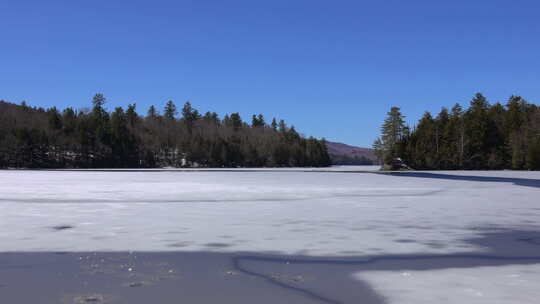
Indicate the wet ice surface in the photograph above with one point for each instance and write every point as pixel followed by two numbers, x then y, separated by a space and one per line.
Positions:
pixel 307 213
pixel 515 284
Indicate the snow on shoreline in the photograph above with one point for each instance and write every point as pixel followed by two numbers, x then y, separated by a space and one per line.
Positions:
pixel 238 169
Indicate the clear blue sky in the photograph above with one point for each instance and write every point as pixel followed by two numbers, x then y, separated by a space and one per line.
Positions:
pixel 332 68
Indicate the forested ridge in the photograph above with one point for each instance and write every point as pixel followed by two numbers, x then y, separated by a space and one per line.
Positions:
pixel 34 137
pixel 483 136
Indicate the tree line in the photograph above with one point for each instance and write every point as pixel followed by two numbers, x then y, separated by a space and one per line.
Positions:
pixel 483 136
pixel 34 137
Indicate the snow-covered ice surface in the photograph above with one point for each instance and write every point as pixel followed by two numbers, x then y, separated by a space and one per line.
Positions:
pixel 308 213
pixel 515 284
pixel 333 212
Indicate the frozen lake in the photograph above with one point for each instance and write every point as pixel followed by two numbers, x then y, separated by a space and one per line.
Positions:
pixel 326 213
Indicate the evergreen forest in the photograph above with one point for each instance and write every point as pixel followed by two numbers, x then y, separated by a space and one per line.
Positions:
pixel 34 137
pixel 481 136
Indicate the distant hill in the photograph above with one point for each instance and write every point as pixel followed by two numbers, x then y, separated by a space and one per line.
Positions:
pixel 343 154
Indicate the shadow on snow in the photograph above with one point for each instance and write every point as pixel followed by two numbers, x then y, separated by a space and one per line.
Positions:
pixel 527 182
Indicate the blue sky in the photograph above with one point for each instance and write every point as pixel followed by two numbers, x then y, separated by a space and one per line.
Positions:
pixel 332 68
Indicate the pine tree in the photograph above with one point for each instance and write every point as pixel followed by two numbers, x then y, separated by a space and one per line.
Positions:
pixel 515 118
pixel 131 114
pixel 426 144
pixel 170 111
pixel 261 121
pixel 254 121
pixel 456 130
pixel 236 121
pixel 257 121
pixel 100 126
pixel 441 122
pixel 274 124
pixel 391 133
pixel 477 125
pixel 152 113
pixel 55 120
pixel 189 116
pixel 282 126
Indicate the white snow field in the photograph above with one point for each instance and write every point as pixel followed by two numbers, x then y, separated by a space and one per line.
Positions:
pixel 287 212
pixel 309 213
pixel 516 284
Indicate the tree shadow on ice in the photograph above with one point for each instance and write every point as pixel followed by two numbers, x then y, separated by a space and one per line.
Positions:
pixel 212 276
pixel 328 280
pixel 527 182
